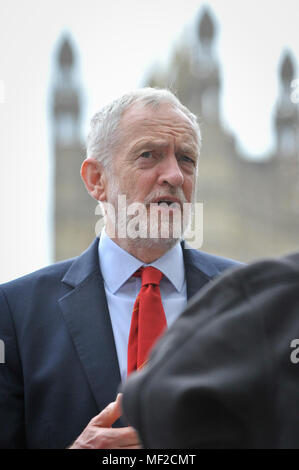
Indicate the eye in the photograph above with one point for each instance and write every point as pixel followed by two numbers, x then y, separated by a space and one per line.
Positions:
pixel 146 155
pixel 186 159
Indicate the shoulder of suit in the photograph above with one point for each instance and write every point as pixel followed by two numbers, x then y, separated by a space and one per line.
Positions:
pixel 53 274
pixel 44 276
pixel 211 265
pixel 259 276
pixel 264 276
pixel 269 271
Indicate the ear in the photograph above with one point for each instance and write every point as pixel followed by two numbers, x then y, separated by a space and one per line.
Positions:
pixel 94 177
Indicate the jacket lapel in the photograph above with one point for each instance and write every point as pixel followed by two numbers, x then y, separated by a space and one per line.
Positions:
pixel 199 271
pixel 86 314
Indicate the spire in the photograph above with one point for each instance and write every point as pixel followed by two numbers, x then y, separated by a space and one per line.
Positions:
pixel 287 117
pixel 66 57
pixel 205 67
pixel 287 69
pixel 66 95
pixel 206 29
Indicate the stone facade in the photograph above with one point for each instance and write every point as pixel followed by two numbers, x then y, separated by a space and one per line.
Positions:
pixel 251 208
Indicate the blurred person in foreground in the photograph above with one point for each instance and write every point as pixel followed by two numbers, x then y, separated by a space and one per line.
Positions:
pixel 73 331
pixel 226 374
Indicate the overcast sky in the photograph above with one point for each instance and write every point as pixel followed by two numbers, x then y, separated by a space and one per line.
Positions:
pixel 117 42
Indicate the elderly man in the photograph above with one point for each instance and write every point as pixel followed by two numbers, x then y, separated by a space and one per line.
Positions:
pixel 74 330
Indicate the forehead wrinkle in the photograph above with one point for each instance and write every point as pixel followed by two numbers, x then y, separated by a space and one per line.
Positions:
pixel 176 130
pixel 165 116
pixel 168 125
pixel 178 127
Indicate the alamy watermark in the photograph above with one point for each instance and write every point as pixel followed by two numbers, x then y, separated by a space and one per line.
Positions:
pixel 295 92
pixel 2 351
pixel 164 220
pixel 295 354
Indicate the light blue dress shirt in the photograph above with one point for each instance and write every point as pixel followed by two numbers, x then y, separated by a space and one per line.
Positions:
pixel 117 267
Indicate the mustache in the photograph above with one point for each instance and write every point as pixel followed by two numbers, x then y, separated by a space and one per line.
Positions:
pixel 177 193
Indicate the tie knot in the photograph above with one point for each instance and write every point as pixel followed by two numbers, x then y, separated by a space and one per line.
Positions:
pixel 149 275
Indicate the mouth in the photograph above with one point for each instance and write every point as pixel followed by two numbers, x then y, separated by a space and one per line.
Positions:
pixel 170 202
pixel 165 202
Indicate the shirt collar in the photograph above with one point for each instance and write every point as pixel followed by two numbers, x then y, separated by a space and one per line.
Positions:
pixel 117 265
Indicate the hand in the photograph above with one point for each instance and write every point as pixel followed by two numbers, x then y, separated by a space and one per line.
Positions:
pixel 99 434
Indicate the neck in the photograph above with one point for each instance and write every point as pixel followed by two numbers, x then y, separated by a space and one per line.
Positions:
pixel 146 250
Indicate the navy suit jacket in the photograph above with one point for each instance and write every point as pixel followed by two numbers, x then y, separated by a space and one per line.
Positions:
pixel 61 366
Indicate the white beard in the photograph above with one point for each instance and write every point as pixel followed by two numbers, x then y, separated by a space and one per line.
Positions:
pixel 163 231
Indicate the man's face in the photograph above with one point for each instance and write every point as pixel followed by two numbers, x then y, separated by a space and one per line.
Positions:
pixel 155 159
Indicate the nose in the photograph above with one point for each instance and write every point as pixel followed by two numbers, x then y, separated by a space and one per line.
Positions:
pixel 170 172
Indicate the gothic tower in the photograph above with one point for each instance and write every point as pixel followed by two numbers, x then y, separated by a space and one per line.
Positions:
pixel 287 116
pixel 74 218
pixel 206 69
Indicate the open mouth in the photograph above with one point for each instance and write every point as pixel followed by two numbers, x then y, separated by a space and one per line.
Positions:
pixel 168 203
pixel 171 203
pixel 165 201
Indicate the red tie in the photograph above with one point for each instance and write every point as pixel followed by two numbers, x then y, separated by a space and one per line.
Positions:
pixel 148 319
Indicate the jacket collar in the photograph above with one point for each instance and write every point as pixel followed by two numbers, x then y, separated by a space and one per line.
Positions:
pixel 87 264
pixel 84 266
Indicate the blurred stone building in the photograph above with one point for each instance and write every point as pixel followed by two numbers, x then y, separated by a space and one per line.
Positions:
pixel 74 209
pixel 251 208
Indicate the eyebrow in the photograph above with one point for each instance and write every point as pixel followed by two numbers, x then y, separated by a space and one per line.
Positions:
pixel 155 144
pixel 185 148
pixel 145 143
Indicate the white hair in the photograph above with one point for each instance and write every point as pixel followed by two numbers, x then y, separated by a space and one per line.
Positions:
pixel 103 133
